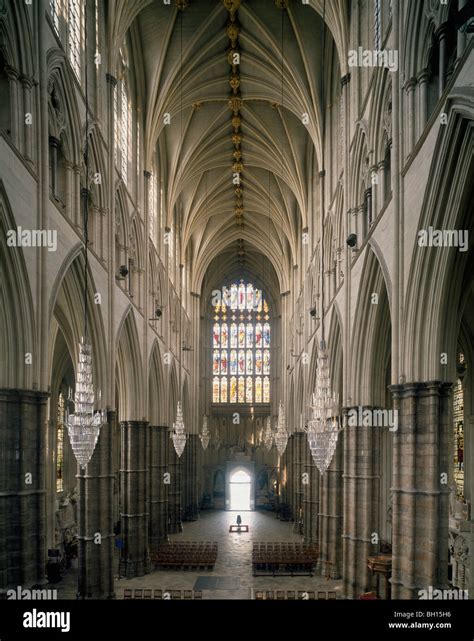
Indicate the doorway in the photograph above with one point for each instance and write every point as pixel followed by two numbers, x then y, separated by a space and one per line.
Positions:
pixel 240 490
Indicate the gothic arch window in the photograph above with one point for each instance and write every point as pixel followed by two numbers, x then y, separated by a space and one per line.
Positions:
pixel 458 427
pixel 241 341
pixel 75 34
pixel 123 125
pixel 377 24
pixel 60 427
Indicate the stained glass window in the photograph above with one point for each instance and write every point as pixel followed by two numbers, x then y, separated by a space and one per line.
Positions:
pixel 458 420
pixel 60 444
pixel 241 341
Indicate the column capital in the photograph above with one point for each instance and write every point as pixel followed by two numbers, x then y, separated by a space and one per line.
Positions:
pixel 410 84
pixel 423 76
pixel 147 174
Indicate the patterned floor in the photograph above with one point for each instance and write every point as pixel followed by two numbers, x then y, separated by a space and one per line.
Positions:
pixel 233 561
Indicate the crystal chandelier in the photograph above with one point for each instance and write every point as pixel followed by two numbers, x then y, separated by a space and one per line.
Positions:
pixel 84 425
pixel 324 427
pixel 205 435
pixel 179 435
pixel 281 436
pixel 268 437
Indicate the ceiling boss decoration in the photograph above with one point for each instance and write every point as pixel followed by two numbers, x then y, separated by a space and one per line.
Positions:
pixel 235 105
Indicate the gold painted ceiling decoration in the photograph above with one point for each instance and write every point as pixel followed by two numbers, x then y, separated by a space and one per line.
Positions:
pixel 235 105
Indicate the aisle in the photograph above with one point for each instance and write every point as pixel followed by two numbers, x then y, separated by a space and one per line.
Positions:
pixel 234 561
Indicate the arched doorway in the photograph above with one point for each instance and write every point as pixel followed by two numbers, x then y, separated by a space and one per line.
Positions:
pixel 240 490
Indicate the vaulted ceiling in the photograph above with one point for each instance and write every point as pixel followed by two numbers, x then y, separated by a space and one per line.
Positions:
pixel 184 70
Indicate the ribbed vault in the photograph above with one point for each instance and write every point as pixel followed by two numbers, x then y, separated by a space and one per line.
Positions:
pixel 182 56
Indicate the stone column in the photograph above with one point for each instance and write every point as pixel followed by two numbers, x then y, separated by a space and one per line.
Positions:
pixel 423 78
pixel 410 89
pixel 361 490
pixel 461 35
pixel 22 487
pixel 13 78
pixel 175 524
pixel 135 556
pixel 159 453
pixel 190 480
pixel 330 516
pixel 299 459
pixel 442 34
pixel 311 499
pixel 95 533
pixel 420 506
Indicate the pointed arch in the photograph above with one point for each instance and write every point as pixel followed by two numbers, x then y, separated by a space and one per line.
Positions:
pixel 156 384
pixel 17 316
pixel 439 275
pixel 371 340
pixel 129 369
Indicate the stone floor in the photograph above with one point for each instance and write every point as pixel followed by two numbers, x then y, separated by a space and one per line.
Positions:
pixel 233 560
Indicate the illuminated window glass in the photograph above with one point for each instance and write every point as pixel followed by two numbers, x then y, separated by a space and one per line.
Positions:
pixel 75 31
pixel 152 195
pixel 241 342
pixel 124 132
pixel 60 415
pixel 54 7
pixel 458 425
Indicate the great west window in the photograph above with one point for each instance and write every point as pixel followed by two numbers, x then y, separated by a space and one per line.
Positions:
pixel 241 346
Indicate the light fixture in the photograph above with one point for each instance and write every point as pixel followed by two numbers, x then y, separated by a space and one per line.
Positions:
pixel 85 423
pixel 179 435
pixel 324 426
pixel 268 437
pixel 281 436
pixel 205 435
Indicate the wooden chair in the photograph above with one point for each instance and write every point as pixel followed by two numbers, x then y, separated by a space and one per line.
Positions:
pixel 311 595
pixel 127 594
pixel 147 594
pixel 280 595
pixel 188 595
pixel 176 595
pixel 290 595
pixel 197 595
pixel 259 594
pixel 332 596
pixel 157 594
pixel 270 595
pixel 302 595
pixel 321 596
pixel 138 593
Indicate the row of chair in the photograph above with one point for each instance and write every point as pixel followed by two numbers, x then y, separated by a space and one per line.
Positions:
pixel 174 595
pixel 292 595
pixel 186 556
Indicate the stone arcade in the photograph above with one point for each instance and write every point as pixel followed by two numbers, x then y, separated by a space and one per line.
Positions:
pixel 233 146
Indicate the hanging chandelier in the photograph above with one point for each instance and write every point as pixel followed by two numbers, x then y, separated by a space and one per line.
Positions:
pixel 179 435
pixel 268 437
pixel 205 435
pixel 281 436
pixel 84 425
pixel 324 426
